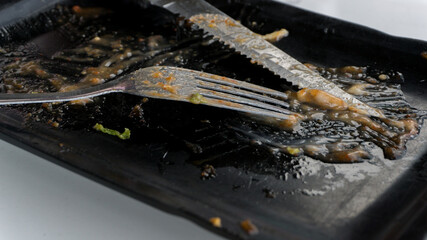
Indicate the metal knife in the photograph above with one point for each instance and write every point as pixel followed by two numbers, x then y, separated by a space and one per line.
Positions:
pixel 250 44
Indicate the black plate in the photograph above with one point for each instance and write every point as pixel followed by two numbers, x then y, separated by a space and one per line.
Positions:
pixel 385 199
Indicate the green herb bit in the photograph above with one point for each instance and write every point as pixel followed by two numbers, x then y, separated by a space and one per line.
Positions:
pixel 125 135
pixel 293 151
pixel 197 98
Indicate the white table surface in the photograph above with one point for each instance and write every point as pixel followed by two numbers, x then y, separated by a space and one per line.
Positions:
pixel 41 200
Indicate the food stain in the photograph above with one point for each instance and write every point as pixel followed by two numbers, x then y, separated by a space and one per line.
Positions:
pixel 319 125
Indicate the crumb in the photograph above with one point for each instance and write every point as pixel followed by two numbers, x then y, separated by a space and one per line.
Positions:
pixel 249 227
pixel 215 221
pixel 276 36
pixel 53 123
pixel 383 77
pixel 208 172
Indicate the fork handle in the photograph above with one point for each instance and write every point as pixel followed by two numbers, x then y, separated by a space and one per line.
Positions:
pixel 23 98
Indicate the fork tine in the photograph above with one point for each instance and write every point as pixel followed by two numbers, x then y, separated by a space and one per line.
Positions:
pixel 234 90
pixel 245 108
pixel 218 91
pixel 231 100
pixel 242 85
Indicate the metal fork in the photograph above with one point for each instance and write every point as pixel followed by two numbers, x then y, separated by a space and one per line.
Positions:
pixel 178 84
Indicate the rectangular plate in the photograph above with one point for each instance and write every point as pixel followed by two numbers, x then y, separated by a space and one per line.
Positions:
pixel 375 200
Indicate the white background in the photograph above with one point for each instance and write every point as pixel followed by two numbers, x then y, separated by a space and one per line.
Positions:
pixel 40 200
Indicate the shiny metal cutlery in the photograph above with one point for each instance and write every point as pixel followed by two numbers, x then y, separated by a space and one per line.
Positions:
pixel 250 44
pixel 176 84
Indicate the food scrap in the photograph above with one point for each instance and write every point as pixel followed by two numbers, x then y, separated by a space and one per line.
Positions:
pixel 124 136
pixel 321 99
pixel 424 54
pixel 208 172
pixel 90 12
pixel 276 35
pixel 216 222
pixel 383 77
pixel 249 227
pixel 294 151
pixel 197 98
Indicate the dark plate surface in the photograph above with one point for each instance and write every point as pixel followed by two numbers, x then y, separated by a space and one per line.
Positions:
pixel 368 200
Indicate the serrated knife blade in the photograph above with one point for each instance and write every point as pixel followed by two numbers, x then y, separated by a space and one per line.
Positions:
pixel 235 35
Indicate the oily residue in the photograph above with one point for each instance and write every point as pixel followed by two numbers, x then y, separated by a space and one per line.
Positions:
pixel 326 128
pixel 321 126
